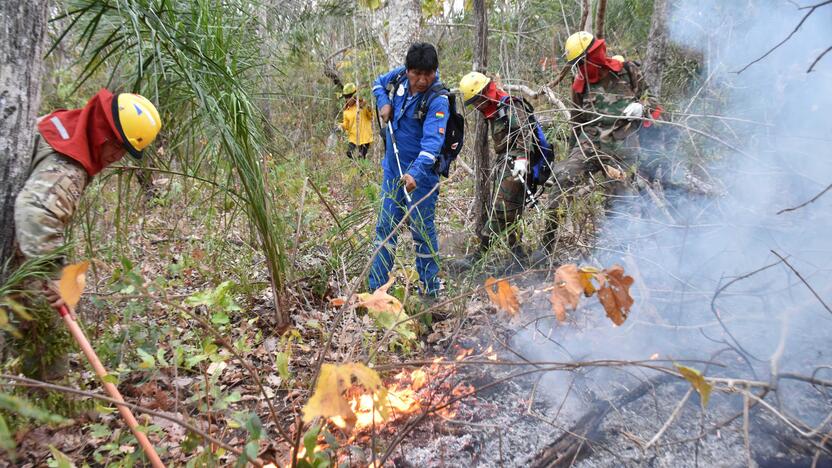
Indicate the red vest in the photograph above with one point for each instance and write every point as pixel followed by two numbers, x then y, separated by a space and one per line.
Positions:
pixel 81 133
pixel 589 69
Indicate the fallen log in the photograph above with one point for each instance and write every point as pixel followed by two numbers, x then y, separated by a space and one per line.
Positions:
pixel 578 440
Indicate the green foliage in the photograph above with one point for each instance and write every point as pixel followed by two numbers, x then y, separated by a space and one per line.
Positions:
pixel 218 300
pixel 198 60
pixel 313 459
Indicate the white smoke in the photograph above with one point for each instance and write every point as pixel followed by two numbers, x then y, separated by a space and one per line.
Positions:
pixel 779 119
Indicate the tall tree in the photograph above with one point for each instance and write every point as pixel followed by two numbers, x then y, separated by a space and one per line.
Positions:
pixel 656 46
pixel 482 156
pixel 399 26
pixel 22 33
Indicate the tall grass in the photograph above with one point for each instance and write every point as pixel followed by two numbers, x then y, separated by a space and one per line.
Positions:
pixel 199 60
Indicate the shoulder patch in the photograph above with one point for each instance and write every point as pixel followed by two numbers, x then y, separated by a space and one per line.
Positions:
pixel 440 115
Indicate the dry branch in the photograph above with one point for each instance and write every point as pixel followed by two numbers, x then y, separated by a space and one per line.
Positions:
pixel 570 446
pixel 811 9
pixel 26 382
pixel 817 59
pixel 785 210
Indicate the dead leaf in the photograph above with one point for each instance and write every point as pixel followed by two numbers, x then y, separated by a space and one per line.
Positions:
pixel 614 293
pixel 614 173
pixel 567 290
pixel 328 400
pixel 697 380
pixel 504 296
pixel 585 275
pixel 337 301
pixel 387 310
pixel 72 283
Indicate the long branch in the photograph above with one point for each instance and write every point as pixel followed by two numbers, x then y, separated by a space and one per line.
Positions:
pixel 26 382
pixel 812 9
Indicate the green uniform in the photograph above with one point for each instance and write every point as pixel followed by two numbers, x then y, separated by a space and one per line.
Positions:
pixel 42 212
pixel 598 134
pixel 513 133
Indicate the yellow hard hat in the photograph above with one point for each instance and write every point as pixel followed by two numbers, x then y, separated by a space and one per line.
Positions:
pixel 620 58
pixel 577 44
pixel 472 84
pixel 137 121
pixel 349 88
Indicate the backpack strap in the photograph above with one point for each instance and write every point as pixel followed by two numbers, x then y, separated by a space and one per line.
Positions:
pixel 394 84
pixel 438 89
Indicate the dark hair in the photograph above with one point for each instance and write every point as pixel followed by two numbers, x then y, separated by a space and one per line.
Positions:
pixel 421 56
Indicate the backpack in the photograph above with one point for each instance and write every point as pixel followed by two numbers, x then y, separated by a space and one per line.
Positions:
pixel 454 130
pixel 541 168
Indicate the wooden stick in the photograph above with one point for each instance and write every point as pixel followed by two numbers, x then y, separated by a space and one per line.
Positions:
pixel 111 389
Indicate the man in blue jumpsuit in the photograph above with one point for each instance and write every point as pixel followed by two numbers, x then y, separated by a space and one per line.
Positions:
pixel 419 136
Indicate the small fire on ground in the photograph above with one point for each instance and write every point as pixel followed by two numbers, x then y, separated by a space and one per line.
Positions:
pixel 431 388
pixel 413 391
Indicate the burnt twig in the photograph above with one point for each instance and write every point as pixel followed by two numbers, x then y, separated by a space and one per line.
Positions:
pixel 812 9
pixel 812 66
pixel 784 210
pixel 782 259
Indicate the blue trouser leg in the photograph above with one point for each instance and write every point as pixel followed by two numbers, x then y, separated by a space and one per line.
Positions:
pixel 423 230
pixel 391 213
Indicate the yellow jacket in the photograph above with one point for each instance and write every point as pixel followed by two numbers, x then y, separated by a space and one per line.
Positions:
pixel 358 125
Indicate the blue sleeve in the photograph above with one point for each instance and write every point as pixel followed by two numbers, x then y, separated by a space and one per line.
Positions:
pixel 433 137
pixel 380 86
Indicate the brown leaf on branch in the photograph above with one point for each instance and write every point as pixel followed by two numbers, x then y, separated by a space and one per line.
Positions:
pixel 614 293
pixel 72 283
pixel 504 296
pixel 567 290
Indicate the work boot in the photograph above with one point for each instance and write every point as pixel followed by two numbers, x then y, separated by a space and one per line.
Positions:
pixel 539 259
pixel 438 314
pixel 514 263
pixel 458 266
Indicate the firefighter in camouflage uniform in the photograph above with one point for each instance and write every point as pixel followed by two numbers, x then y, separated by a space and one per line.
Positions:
pixel 71 147
pixel 522 159
pixel 613 108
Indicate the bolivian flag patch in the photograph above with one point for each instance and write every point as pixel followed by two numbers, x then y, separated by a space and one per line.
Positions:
pixel 440 115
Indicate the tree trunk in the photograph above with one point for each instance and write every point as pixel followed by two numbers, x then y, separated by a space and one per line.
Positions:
pixel 402 29
pixel 482 156
pixel 600 16
pixel 656 47
pixel 586 16
pixel 22 33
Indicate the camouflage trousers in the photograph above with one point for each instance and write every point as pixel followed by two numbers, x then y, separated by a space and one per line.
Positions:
pixel 615 158
pixel 507 205
pixel 43 210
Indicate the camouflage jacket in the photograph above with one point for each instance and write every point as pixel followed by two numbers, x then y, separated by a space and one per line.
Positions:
pixel 513 131
pixel 609 97
pixel 45 205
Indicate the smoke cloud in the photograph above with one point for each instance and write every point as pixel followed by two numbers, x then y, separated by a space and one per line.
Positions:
pixel 776 116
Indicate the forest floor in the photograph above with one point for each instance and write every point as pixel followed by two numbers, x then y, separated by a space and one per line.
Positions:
pixel 474 388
